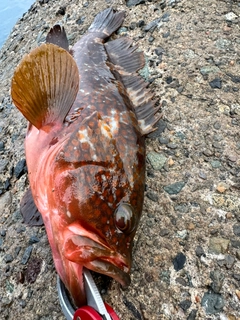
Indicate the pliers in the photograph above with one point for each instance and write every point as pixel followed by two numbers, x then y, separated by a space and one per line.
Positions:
pixel 96 309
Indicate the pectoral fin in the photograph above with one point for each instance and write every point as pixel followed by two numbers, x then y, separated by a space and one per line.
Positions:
pixel 45 85
pixel 31 215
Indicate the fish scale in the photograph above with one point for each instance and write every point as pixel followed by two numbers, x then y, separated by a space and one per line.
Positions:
pixel 85 148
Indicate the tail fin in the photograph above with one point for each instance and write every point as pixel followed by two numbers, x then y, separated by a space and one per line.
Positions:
pixel 107 22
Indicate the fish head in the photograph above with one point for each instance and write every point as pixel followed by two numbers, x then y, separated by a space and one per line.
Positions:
pixel 98 197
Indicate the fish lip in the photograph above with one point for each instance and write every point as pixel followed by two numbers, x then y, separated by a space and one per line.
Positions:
pixel 110 269
pixel 101 258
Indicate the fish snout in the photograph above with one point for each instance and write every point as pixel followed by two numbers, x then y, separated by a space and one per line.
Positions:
pixel 98 257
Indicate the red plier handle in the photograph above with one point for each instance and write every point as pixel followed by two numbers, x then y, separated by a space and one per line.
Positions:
pixel 96 309
pixel 88 313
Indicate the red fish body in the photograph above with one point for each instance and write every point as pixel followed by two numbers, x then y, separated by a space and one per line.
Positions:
pixel 85 147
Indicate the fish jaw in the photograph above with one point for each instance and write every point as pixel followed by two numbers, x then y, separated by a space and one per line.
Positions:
pixel 73 281
pixel 85 248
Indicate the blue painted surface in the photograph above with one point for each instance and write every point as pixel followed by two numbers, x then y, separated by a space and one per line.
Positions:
pixel 10 12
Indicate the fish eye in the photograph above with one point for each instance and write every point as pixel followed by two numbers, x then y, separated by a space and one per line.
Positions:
pixel 124 218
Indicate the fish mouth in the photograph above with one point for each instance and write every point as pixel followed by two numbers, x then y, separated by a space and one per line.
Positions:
pixel 91 252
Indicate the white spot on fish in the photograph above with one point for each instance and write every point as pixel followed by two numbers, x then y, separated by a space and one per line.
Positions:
pixel 83 137
pixel 104 131
pixel 69 214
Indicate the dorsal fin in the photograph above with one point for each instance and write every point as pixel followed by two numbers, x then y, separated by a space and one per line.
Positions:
pixel 57 35
pixel 125 62
pixel 45 85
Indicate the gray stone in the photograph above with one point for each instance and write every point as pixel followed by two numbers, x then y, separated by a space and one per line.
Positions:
pixel 216 83
pixel 208 152
pixel 179 261
pixel 218 245
pixel 33 239
pixel 192 315
pixel 222 44
pixel 20 168
pixel 122 30
pixel 3 164
pixel 152 25
pixel 212 302
pixel 235 243
pixel 174 188
pixel 183 208
pixel 217 278
pixel 229 261
pixel 16 216
pixel 230 16
pixel 152 196
pixel 202 175
pixel 161 126
pixel 1 146
pixel 216 164
pixel 8 258
pixel 217 125
pixel 164 232
pixel 199 251
pixel 236 230
pixel 157 160
pixel 165 17
pixel 209 69
pixel 172 145
pixel 131 3
pixel 163 140
pixel 185 304
pixel 181 281
pixel 183 234
pixel 26 255
pixel 5 201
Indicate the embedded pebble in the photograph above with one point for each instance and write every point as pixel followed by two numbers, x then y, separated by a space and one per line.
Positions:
pixel 216 83
pixel 174 188
pixel 218 245
pixel 209 69
pixel 157 160
pixel 26 254
pixel 217 278
pixel 236 229
pixel 179 261
pixel 212 302
pixel 185 304
pixel 20 168
pixel 230 16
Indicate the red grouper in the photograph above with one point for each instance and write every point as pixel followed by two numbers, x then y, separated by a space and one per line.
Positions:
pixel 88 112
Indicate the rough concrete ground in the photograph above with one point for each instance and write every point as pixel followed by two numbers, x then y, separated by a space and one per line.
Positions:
pixel 187 249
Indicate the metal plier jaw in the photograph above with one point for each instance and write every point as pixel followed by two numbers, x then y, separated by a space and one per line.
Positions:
pixel 96 308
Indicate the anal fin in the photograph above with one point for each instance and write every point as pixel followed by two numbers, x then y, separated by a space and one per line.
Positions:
pixel 31 215
pixel 125 62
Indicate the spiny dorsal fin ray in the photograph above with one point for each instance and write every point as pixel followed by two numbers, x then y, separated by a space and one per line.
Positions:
pixel 45 85
pixel 57 35
pixel 121 54
pixel 125 61
pixel 107 22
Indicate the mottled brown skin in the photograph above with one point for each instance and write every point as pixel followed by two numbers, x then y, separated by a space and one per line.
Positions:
pixel 85 170
pixel 85 184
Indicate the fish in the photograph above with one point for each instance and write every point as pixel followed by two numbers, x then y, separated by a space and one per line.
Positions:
pixel 88 113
